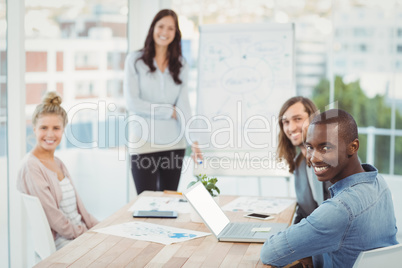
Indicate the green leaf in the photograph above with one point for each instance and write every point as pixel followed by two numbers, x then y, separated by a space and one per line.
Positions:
pixel 209 183
pixel 210 186
pixel 191 184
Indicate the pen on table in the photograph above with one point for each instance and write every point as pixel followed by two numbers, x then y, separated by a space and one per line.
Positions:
pixel 171 192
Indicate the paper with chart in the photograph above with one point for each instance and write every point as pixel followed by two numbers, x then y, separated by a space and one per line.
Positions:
pixel 151 232
pixel 161 203
pixel 269 205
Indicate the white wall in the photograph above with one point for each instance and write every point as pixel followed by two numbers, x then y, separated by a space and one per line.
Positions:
pixel 3 213
pixel 16 128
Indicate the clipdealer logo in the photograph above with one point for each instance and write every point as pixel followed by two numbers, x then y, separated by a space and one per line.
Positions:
pixel 232 133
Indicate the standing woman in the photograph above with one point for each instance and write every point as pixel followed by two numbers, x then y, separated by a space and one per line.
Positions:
pixel 45 176
pixel 155 89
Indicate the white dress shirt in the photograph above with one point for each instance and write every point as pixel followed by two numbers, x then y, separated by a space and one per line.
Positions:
pixel 150 98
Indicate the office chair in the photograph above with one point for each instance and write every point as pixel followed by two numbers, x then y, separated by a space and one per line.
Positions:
pixel 380 257
pixel 395 185
pixel 41 234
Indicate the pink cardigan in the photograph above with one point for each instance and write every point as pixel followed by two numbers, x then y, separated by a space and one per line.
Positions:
pixel 37 180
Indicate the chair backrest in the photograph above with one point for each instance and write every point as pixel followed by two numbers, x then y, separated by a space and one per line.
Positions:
pixel 381 257
pixel 41 233
pixel 395 185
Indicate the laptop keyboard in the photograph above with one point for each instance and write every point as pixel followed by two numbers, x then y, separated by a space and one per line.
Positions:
pixel 240 230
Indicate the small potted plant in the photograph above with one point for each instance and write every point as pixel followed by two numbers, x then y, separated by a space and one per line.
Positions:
pixel 209 183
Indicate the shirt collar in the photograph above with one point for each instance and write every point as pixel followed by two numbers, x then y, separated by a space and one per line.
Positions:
pixel 297 155
pixel 159 71
pixel 369 175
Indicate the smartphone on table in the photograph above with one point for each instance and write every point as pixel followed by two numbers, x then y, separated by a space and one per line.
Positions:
pixel 259 216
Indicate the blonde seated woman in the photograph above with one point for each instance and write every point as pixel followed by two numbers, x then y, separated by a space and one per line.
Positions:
pixel 45 176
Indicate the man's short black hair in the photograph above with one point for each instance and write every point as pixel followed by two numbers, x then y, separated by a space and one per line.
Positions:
pixel 347 126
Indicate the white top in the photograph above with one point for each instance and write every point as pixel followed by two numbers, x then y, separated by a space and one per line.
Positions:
pixel 150 97
pixel 68 206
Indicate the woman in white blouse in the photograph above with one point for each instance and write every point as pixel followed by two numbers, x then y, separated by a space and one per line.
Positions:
pixel 155 89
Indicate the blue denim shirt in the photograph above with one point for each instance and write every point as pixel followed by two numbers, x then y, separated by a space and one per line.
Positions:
pixel 306 203
pixel 359 216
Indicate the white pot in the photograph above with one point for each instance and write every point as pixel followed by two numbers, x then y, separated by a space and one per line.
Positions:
pixel 194 216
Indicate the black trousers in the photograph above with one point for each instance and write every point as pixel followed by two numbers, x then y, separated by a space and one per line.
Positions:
pixel 157 171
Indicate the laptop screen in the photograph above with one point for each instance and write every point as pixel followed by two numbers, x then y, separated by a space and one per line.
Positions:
pixel 206 206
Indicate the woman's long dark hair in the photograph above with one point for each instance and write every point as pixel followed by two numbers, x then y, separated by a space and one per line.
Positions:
pixel 174 49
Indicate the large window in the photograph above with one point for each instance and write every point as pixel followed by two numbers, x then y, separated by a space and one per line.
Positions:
pixel 347 52
pixel 366 85
pixel 78 48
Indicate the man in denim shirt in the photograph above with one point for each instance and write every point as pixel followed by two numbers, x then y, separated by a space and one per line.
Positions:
pixel 359 216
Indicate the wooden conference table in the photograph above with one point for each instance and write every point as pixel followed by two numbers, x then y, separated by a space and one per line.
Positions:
pixel 93 249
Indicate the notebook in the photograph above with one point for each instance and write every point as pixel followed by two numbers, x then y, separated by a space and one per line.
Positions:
pixel 219 223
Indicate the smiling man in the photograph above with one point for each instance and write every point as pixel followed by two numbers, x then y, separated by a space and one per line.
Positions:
pixel 293 122
pixel 359 216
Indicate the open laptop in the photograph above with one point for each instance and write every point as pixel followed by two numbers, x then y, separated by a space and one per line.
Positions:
pixel 219 223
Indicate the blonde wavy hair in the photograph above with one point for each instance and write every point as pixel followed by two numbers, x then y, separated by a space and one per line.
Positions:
pixel 50 105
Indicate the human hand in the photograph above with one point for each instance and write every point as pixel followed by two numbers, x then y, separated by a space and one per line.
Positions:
pixel 307 262
pixel 174 115
pixel 196 154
